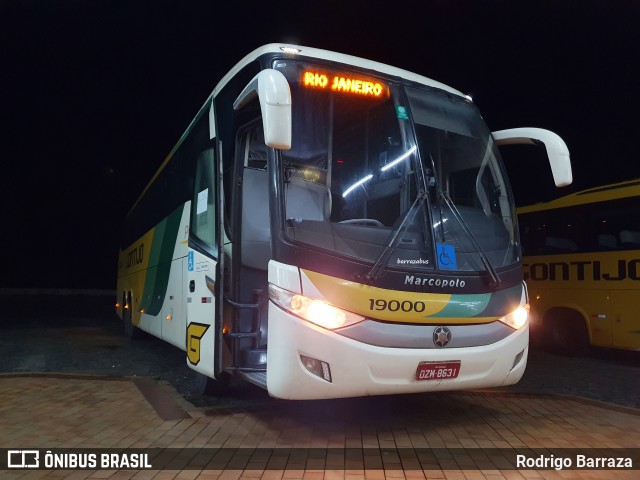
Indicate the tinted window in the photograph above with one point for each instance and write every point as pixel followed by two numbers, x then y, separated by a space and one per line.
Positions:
pixel 172 187
pixel 613 225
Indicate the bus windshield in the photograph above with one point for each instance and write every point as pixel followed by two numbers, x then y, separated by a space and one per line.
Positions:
pixel 403 176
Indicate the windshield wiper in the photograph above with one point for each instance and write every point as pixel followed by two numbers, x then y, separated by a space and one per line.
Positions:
pixel 380 266
pixel 495 279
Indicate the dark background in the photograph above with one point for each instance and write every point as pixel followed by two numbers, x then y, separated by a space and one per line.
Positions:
pixel 94 94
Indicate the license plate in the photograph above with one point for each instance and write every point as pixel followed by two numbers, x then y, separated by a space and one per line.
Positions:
pixel 437 370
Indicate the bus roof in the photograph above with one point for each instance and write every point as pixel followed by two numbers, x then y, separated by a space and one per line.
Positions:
pixel 294 50
pixel 629 188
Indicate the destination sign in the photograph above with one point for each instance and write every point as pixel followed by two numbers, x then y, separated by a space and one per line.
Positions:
pixel 344 84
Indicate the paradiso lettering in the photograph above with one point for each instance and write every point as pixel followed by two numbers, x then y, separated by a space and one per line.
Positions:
pixel 583 270
pixel 343 84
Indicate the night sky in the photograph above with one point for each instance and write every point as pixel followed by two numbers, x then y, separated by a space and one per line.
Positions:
pixel 95 93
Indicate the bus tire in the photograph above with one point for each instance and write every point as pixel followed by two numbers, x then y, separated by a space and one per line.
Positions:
pixel 567 331
pixel 130 330
pixel 212 387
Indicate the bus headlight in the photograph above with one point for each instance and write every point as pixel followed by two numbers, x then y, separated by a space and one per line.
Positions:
pixel 517 318
pixel 312 310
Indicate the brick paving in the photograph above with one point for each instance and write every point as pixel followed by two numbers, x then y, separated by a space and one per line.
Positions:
pixel 129 409
pixel 75 411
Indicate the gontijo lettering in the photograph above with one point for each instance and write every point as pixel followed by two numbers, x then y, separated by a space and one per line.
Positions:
pixel 343 84
pixel 582 270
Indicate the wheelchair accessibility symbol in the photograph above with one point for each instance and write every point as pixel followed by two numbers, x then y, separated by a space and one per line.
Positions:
pixel 446 257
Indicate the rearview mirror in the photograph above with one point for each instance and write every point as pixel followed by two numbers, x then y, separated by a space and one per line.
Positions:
pixel 557 151
pixel 274 95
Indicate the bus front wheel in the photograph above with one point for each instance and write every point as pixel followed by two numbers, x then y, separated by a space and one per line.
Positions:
pixel 208 386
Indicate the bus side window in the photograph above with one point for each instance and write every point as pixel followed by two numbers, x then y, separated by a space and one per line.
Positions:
pixel 606 241
pixel 256 229
pixel 256 150
pixel 630 239
pixel 559 245
pixel 203 211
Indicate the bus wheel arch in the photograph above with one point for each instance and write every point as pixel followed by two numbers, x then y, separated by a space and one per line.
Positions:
pixel 566 329
pixel 208 386
pixel 130 330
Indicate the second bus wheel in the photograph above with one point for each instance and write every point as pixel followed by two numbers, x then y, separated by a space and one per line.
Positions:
pixel 130 330
pixel 568 332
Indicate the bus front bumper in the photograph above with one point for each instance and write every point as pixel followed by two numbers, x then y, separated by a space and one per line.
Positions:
pixel 358 369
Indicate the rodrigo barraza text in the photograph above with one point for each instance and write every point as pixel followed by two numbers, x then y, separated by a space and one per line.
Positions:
pixel 580 461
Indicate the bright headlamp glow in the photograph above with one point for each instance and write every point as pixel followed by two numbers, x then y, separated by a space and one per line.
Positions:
pixel 312 310
pixel 399 159
pixel 517 318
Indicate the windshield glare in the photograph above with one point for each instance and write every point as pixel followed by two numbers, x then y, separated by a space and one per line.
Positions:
pixel 359 161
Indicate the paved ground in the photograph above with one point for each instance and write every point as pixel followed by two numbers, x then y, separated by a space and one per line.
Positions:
pixel 72 381
pixel 451 436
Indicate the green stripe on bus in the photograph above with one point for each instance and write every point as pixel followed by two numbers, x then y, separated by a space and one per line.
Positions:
pixel 162 247
pixel 464 306
pixel 496 304
pixel 504 301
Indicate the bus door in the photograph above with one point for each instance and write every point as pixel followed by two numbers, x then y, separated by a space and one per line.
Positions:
pixel 202 275
pixel 595 302
pixel 624 296
pixel 626 325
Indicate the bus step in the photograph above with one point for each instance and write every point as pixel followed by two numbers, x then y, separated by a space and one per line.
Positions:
pixel 242 334
pixel 254 357
pixel 257 378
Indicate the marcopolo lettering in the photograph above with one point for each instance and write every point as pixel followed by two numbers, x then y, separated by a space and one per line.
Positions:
pixel 583 270
pixel 434 282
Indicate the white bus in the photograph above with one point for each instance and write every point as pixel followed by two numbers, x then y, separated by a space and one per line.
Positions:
pixel 329 226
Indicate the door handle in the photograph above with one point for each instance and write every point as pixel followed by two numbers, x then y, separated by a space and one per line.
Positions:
pixel 192 286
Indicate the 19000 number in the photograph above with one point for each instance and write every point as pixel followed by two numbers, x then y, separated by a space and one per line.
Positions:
pixel 396 305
